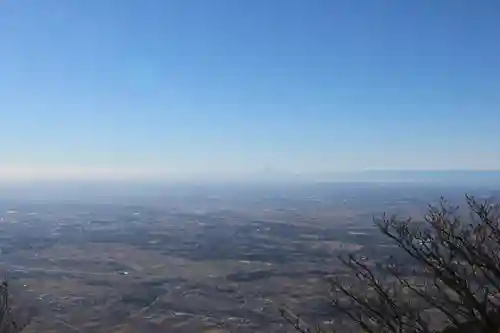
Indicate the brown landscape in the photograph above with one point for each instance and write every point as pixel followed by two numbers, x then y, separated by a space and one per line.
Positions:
pixel 224 264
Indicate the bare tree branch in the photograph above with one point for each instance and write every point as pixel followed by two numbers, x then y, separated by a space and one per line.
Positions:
pixel 458 261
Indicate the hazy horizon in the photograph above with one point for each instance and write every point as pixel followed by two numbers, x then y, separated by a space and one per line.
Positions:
pixel 275 177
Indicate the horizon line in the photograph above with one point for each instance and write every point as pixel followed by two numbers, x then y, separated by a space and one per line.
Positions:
pixel 369 175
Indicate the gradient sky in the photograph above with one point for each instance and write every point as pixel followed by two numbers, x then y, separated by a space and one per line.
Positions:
pixel 184 88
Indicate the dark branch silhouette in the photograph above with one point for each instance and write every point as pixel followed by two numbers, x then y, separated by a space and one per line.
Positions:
pixel 454 276
pixel 7 323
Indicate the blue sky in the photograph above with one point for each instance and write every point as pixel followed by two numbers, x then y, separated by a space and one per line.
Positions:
pixel 197 88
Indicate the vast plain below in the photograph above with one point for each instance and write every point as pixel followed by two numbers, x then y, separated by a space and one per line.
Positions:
pixel 208 258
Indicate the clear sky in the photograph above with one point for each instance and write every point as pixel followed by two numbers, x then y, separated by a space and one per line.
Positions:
pixel 198 88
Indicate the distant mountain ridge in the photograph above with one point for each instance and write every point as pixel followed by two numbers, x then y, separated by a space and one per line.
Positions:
pixel 448 177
